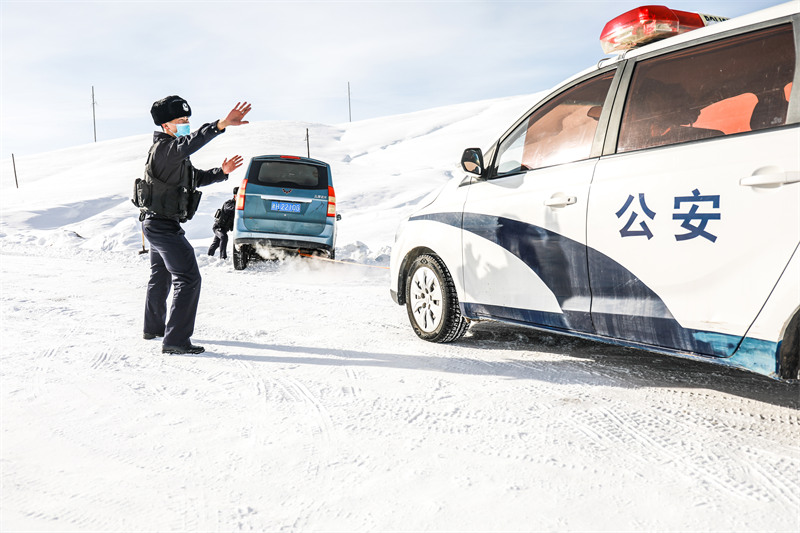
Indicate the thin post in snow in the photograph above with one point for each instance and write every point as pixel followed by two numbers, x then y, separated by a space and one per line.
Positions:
pixel 15 170
pixel 94 122
pixel 349 109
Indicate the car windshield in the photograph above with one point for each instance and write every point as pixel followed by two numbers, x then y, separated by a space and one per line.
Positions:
pixel 288 174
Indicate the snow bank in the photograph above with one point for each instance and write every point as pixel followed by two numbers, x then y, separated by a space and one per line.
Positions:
pixel 315 407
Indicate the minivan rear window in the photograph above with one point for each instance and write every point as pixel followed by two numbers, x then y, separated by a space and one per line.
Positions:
pixel 288 174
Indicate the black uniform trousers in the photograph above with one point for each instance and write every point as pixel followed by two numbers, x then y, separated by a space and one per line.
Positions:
pixel 220 241
pixel 172 261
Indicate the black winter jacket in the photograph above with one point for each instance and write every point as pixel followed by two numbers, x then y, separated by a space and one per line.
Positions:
pixel 170 152
pixel 225 221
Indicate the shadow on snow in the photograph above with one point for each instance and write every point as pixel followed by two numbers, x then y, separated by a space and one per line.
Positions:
pixel 577 362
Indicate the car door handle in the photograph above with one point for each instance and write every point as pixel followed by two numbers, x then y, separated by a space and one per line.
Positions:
pixel 771 179
pixel 560 200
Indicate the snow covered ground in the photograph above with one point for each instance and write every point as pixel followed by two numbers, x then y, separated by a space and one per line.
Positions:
pixel 315 407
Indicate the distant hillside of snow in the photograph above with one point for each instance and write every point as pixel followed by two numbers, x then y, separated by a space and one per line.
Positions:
pixel 80 196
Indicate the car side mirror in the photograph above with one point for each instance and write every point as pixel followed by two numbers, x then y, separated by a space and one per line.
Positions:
pixel 472 161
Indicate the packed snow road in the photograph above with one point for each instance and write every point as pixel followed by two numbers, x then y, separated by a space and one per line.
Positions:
pixel 316 408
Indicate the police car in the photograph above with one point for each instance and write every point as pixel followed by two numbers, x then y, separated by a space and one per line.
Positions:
pixel 650 201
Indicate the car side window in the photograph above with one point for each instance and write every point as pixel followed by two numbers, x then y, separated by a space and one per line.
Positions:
pixel 560 131
pixel 731 86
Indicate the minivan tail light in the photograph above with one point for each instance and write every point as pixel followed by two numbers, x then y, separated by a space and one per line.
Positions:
pixel 240 195
pixel 646 24
pixel 331 202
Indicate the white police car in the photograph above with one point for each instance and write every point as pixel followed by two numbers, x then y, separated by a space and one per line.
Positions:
pixel 651 201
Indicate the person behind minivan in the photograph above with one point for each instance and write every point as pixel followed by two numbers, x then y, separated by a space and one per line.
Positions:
pixel 223 223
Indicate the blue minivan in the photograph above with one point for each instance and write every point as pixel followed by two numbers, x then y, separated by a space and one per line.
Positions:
pixel 285 203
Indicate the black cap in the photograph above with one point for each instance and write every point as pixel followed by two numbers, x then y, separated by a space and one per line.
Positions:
pixel 170 108
pixel 235 190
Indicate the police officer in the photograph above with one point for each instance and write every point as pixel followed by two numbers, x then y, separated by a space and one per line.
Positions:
pixel 223 223
pixel 174 200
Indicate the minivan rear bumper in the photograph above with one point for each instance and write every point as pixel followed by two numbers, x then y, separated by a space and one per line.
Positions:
pixel 284 244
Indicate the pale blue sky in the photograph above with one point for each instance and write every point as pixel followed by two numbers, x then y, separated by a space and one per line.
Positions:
pixel 292 60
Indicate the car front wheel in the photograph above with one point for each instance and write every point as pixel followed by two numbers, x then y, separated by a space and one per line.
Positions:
pixel 431 301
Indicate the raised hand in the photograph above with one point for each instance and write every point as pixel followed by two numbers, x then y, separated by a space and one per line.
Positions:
pixel 235 116
pixel 229 165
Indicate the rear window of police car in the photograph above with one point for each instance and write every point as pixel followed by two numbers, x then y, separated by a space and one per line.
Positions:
pixel 735 85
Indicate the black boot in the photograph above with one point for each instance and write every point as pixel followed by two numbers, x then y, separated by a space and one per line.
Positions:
pixel 189 348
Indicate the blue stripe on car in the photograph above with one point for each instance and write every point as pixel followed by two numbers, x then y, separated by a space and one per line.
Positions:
pixel 642 316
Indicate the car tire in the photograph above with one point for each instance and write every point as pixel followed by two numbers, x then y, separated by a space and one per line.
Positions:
pixel 431 301
pixel 789 353
pixel 240 257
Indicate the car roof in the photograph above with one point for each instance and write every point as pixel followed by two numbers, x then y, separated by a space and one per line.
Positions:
pixel 289 158
pixel 771 13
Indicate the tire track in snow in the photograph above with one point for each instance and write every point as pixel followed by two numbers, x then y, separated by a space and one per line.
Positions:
pixel 355 386
pixel 685 440
pixel 438 412
pixel 44 361
pixel 324 425
pixel 318 450
pixel 256 380
pixel 647 432
pixel 108 357
pixel 739 419
pixel 42 364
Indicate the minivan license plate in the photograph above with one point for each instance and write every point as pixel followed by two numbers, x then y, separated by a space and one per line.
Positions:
pixel 286 207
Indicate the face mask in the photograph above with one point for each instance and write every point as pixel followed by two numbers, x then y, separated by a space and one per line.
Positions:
pixel 182 129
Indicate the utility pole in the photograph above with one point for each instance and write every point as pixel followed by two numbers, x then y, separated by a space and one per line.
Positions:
pixel 94 123
pixel 15 170
pixel 349 109
pixel 308 145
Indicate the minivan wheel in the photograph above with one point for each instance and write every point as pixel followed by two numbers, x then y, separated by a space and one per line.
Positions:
pixel 431 301
pixel 240 256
